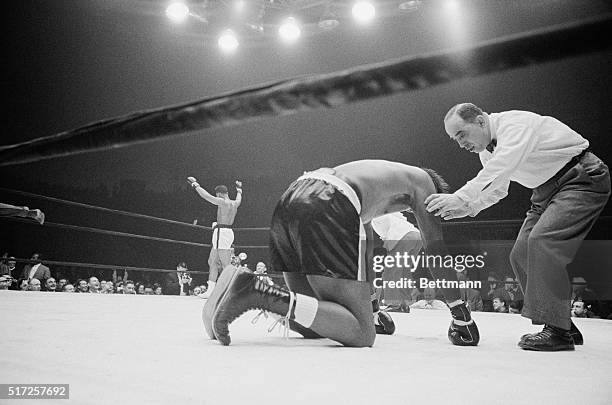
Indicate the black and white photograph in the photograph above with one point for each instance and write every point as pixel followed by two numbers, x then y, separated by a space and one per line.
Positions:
pixel 306 202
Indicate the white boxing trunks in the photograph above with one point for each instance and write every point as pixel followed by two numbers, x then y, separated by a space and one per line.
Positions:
pixel 222 237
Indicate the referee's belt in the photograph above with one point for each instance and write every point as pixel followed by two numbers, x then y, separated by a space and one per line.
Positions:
pixel 221 226
pixel 573 162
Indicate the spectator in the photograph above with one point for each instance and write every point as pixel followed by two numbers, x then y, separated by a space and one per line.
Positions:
pixel 68 288
pixel 50 285
pixel 261 268
pixel 4 264
pixel 582 292
pixel 197 291
pixel 129 288
pixel 102 286
pixel 148 290
pixel 34 285
pixel 430 301
pixel 515 307
pixel 82 286
pixel 5 282
pixel 23 285
pixel 157 289
pixel 500 305
pixel 579 309
pixel 512 288
pixel 37 270
pixel 61 283
pixel 7 265
pixel 495 290
pixel 94 285
pixel 172 282
pixel 109 288
pixel 185 283
pixel 140 289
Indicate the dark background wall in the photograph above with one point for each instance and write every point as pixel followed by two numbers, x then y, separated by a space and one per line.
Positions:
pixel 72 62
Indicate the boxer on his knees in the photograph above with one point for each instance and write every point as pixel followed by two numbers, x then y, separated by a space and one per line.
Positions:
pixel 315 242
pixel 223 235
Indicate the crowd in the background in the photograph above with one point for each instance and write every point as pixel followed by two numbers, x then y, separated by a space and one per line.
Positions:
pixel 498 294
pixel 36 276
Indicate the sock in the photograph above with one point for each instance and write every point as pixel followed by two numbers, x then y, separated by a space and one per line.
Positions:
pixel 305 310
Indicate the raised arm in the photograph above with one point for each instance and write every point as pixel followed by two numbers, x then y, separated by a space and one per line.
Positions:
pixel 203 193
pixel 238 193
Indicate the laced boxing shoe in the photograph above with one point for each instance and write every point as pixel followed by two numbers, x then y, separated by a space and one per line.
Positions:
pixel 242 290
pixel 574 333
pixel 463 330
pixel 213 300
pixel 550 339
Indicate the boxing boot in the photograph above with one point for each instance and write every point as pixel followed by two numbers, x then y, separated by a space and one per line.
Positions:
pixel 239 290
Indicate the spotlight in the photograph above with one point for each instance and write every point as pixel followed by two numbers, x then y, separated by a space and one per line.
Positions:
pixel 228 41
pixel 410 5
pixel 289 30
pixel 363 11
pixel 177 12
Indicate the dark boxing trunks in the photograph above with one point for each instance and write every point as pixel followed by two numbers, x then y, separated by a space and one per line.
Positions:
pixel 316 228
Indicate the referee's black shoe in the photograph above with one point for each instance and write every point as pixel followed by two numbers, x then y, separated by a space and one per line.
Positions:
pixel 574 332
pixel 550 339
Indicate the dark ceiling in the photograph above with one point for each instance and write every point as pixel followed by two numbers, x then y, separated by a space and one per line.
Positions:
pixel 71 62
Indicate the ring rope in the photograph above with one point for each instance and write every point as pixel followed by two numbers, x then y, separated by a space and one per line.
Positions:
pixel 117 267
pixel 322 91
pixel 119 212
pixel 124 234
pixel 103 209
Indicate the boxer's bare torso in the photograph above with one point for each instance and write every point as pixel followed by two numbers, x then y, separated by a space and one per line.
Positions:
pixel 386 186
pixel 226 211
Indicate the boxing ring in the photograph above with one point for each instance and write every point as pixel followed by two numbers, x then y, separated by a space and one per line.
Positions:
pixel 148 349
pixel 153 349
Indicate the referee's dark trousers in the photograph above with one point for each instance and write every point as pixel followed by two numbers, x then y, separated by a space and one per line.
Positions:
pixel 563 211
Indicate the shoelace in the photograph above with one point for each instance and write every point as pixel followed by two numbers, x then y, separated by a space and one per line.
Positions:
pixel 284 325
pixel 282 321
pixel 546 333
pixel 259 315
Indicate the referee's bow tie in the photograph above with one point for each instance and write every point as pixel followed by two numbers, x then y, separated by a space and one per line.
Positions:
pixel 492 145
